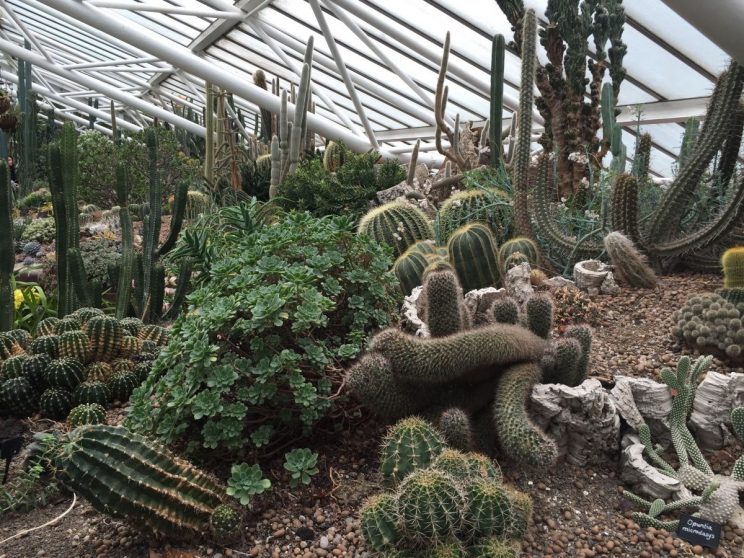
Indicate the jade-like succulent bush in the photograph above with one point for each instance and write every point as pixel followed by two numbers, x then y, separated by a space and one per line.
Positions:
pixel 347 191
pixel 98 254
pixel 265 339
pixel 41 230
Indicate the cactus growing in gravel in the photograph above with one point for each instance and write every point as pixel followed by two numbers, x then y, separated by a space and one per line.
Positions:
pixel 431 506
pixel 396 224
pixel 711 324
pixel 715 496
pixel 629 264
pixel 55 403
pixel 225 521
pixel 473 254
pixel 170 496
pixel 86 413
pixel 378 518
pixel 411 444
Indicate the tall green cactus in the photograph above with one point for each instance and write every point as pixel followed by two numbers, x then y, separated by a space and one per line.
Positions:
pixel 28 110
pixel 521 169
pixel 149 274
pixel 498 53
pixel 126 266
pixel 613 134
pixel 7 253
pixel 642 157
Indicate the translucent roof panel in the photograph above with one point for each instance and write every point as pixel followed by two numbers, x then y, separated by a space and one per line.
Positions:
pixel 671 67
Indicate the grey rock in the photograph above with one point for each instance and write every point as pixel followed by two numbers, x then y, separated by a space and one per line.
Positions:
pixel 609 285
pixel 517 283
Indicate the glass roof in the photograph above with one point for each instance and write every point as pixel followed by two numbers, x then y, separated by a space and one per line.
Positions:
pixel 666 64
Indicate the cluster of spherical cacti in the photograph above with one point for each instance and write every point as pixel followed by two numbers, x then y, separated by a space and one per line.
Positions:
pixel 76 366
pixel 716 497
pixel 473 381
pixel 127 476
pixel 443 502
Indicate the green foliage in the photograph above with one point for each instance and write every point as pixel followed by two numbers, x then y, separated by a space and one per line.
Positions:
pixel 283 306
pixel 26 491
pixel 301 463
pixel 98 254
pixel 32 307
pixel 346 191
pixel 42 230
pixel 245 482
pixel 35 199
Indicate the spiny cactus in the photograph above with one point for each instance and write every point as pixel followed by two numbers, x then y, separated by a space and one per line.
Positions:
pixel 170 497
pixel 122 365
pixel 68 324
pixel 431 506
pixel 483 205
pixel 98 372
pixel 47 345
pixel 505 310
pixel 411 444
pixel 732 263
pixel 624 209
pixel 473 254
pixel 378 518
pixel 9 346
pixel 55 403
pixel 409 269
pixel 155 333
pixel 20 336
pixel 105 335
pixel 629 264
pixel 12 367
pixel 122 384
pixel 19 397
pixel 74 344
pixel 519 438
pixel 86 413
pixel 92 391
pixel 65 373
pixel 489 508
pixel 456 427
pixel 7 250
pixel 34 370
pixel 396 224
pixel 524 246
pixel 225 521
pixel 539 312
pixel 334 156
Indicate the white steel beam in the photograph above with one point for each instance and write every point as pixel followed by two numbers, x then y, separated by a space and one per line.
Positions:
pixel 162 8
pixel 106 63
pixel 110 91
pixel 338 58
pixel 181 57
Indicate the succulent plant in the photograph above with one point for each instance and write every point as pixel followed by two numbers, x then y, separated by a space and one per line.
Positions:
pixel 98 372
pixel 92 391
pixel 34 369
pixel 396 224
pixel 65 373
pixel 473 254
pixel 74 344
pixel 629 264
pixel 409 269
pixel 488 206
pixel 378 518
pixel 47 345
pixel 524 246
pixel 106 335
pixel 411 444
pixel 86 413
pixel 55 403
pixel 122 384
pixel 19 397
pixel 47 326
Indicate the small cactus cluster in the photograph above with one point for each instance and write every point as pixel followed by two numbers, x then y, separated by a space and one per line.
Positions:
pixel 711 324
pixel 472 380
pixel 442 502
pixel 128 477
pixel 715 496
pixel 76 365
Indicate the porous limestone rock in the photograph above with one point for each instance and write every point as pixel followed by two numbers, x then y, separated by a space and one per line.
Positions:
pixel 590 274
pixel 517 283
pixel 716 396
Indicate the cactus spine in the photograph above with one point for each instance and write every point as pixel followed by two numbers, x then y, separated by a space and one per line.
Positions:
pixel 409 269
pixel 170 496
pixel 86 413
pixel 7 251
pixel 411 444
pixel 630 264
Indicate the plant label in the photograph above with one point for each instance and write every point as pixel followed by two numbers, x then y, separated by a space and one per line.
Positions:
pixel 696 530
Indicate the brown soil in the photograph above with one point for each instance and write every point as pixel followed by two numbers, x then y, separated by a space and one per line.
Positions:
pixel 579 512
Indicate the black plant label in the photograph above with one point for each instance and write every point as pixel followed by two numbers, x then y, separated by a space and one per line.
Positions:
pixel 697 530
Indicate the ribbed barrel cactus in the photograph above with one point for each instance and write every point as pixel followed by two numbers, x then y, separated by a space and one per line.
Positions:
pixel 396 224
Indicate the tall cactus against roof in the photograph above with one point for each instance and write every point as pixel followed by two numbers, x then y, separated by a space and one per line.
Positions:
pixel 498 53
pixel 7 253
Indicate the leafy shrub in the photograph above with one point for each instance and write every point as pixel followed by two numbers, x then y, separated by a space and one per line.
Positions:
pixel 345 192
pixel 266 337
pixel 41 230
pixel 37 198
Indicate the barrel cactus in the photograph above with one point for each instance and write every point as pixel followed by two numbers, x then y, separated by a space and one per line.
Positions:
pixel 47 326
pixel 34 369
pixel 87 413
pixel 92 391
pixel 378 518
pixel 19 397
pixel 122 384
pixel 412 443
pixel 524 246
pixel 68 323
pixel 396 224
pixel 106 335
pixel 409 269
pixel 12 367
pixel 55 403
pixel 473 254
pixel 74 344
pixel 489 206
pixel 170 496
pixel 46 344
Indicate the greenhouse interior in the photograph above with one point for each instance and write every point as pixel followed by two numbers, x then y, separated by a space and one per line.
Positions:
pixel 371 278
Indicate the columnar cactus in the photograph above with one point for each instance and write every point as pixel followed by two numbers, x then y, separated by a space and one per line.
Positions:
pixel 732 263
pixel 473 254
pixel 624 208
pixel 396 224
pixel 169 496
pixel 443 308
pixel 7 250
pixel 629 264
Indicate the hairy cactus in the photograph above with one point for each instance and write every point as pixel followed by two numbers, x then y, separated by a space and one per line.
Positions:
pixel 431 506
pixel 378 518
pixel 106 335
pixel 396 224
pixel 46 345
pixel 505 311
pixel 456 427
pixel 86 413
pixel 629 264
pixel 409 269
pixel 65 373
pixel 444 310
pixel 170 496
pixel 472 252
pixel 482 205
pixel 122 384
pixel 539 313
pixel 225 521
pixel 519 438
pixel 411 444
pixel 19 396
pixel 92 391
pixel 55 403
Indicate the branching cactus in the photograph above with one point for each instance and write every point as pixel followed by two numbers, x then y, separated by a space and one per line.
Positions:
pixel 716 497
pixel 126 476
